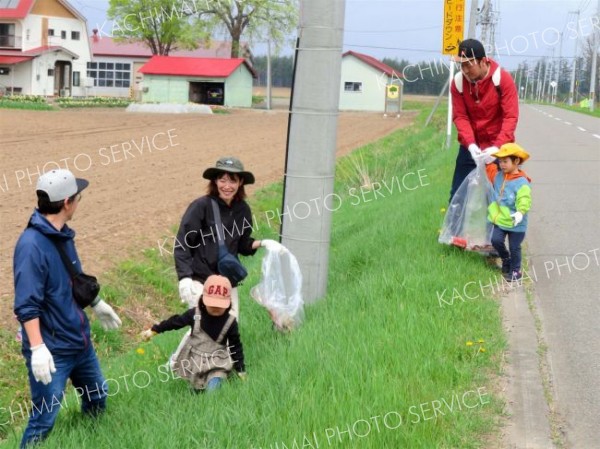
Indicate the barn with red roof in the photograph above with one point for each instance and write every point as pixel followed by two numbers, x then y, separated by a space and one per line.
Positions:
pixel 365 82
pixel 216 81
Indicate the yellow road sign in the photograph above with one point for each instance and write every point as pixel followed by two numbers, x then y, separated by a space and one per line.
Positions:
pixel 454 26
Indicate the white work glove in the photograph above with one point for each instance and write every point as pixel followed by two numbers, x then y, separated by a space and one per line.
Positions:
pixel 42 364
pixel 474 150
pixel 106 315
pixel 517 217
pixel 488 155
pixel 188 292
pixel 147 334
pixel 272 245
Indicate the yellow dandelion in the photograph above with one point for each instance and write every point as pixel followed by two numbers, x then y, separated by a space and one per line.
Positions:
pixel 480 341
pixel 442 210
pixel 481 349
pixel 469 343
pixel 140 351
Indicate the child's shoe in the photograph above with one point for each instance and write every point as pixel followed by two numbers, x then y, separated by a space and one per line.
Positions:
pixel 505 266
pixel 513 276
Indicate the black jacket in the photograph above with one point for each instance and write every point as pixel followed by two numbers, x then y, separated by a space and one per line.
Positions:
pixel 212 325
pixel 196 248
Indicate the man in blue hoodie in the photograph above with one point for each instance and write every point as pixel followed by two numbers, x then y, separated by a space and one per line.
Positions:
pixel 56 338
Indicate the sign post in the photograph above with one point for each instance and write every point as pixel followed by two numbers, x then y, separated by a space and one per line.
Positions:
pixel 452 35
pixel 393 98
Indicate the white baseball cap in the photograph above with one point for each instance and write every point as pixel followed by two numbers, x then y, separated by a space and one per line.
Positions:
pixel 60 184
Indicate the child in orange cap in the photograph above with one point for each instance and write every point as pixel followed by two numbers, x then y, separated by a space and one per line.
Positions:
pixel 511 202
pixel 205 359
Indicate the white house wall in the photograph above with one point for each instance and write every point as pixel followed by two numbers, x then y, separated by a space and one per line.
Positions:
pixel 33 76
pixel 114 91
pixel 19 76
pixel 372 95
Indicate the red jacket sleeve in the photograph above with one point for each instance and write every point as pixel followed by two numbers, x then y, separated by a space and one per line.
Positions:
pixel 460 117
pixel 509 103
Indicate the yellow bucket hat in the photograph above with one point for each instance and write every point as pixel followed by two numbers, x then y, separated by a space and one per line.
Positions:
pixel 512 149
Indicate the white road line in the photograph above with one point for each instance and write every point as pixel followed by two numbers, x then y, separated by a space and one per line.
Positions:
pixel 568 123
pixel 557 118
pixel 550 115
pixel 581 129
pixel 596 136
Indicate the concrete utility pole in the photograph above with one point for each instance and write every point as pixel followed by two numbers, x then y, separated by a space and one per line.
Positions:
pixel 488 19
pixel 472 33
pixel 310 162
pixel 520 78
pixel 558 67
pixel 595 48
pixel 572 88
pixel 547 79
pixel 269 77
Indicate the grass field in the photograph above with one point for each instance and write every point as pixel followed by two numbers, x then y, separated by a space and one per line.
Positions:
pixel 380 362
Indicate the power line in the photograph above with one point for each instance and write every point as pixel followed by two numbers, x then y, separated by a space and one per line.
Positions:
pixel 394 31
pixel 437 51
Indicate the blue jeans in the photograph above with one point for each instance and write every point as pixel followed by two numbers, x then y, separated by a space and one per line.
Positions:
pixel 213 383
pixel 514 244
pixel 464 165
pixel 84 371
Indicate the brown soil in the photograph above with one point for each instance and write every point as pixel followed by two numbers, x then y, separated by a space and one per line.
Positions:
pixel 138 192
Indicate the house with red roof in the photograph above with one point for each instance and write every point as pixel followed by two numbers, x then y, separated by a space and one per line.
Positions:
pixel 367 84
pixel 44 48
pixel 217 81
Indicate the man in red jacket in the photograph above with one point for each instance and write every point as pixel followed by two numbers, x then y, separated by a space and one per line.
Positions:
pixel 485 107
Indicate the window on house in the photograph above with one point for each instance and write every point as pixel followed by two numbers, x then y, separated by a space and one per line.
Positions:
pixel 76 79
pixel 50 31
pixel 109 74
pixel 351 86
pixel 7 35
pixel 50 72
pixel 4 70
pixel 63 34
pixel 75 35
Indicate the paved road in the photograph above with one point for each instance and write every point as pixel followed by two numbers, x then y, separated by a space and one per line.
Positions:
pixel 564 249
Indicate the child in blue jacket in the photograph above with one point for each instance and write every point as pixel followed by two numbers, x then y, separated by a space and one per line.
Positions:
pixel 508 210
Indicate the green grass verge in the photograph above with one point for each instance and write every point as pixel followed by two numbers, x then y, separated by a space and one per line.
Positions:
pixel 378 363
pixel 34 106
pixel 93 102
pixel 576 108
pixel 595 113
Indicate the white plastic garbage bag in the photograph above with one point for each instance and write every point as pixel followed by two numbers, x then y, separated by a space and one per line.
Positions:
pixel 466 224
pixel 279 290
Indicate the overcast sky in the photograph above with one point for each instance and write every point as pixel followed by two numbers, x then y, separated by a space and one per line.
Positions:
pixel 412 29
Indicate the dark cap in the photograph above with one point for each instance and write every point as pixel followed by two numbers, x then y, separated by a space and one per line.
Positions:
pixel 469 49
pixel 228 165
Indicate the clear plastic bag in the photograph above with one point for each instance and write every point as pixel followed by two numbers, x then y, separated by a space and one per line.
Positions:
pixel 279 290
pixel 466 224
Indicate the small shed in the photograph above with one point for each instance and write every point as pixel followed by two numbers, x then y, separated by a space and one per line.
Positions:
pixel 214 81
pixel 365 82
